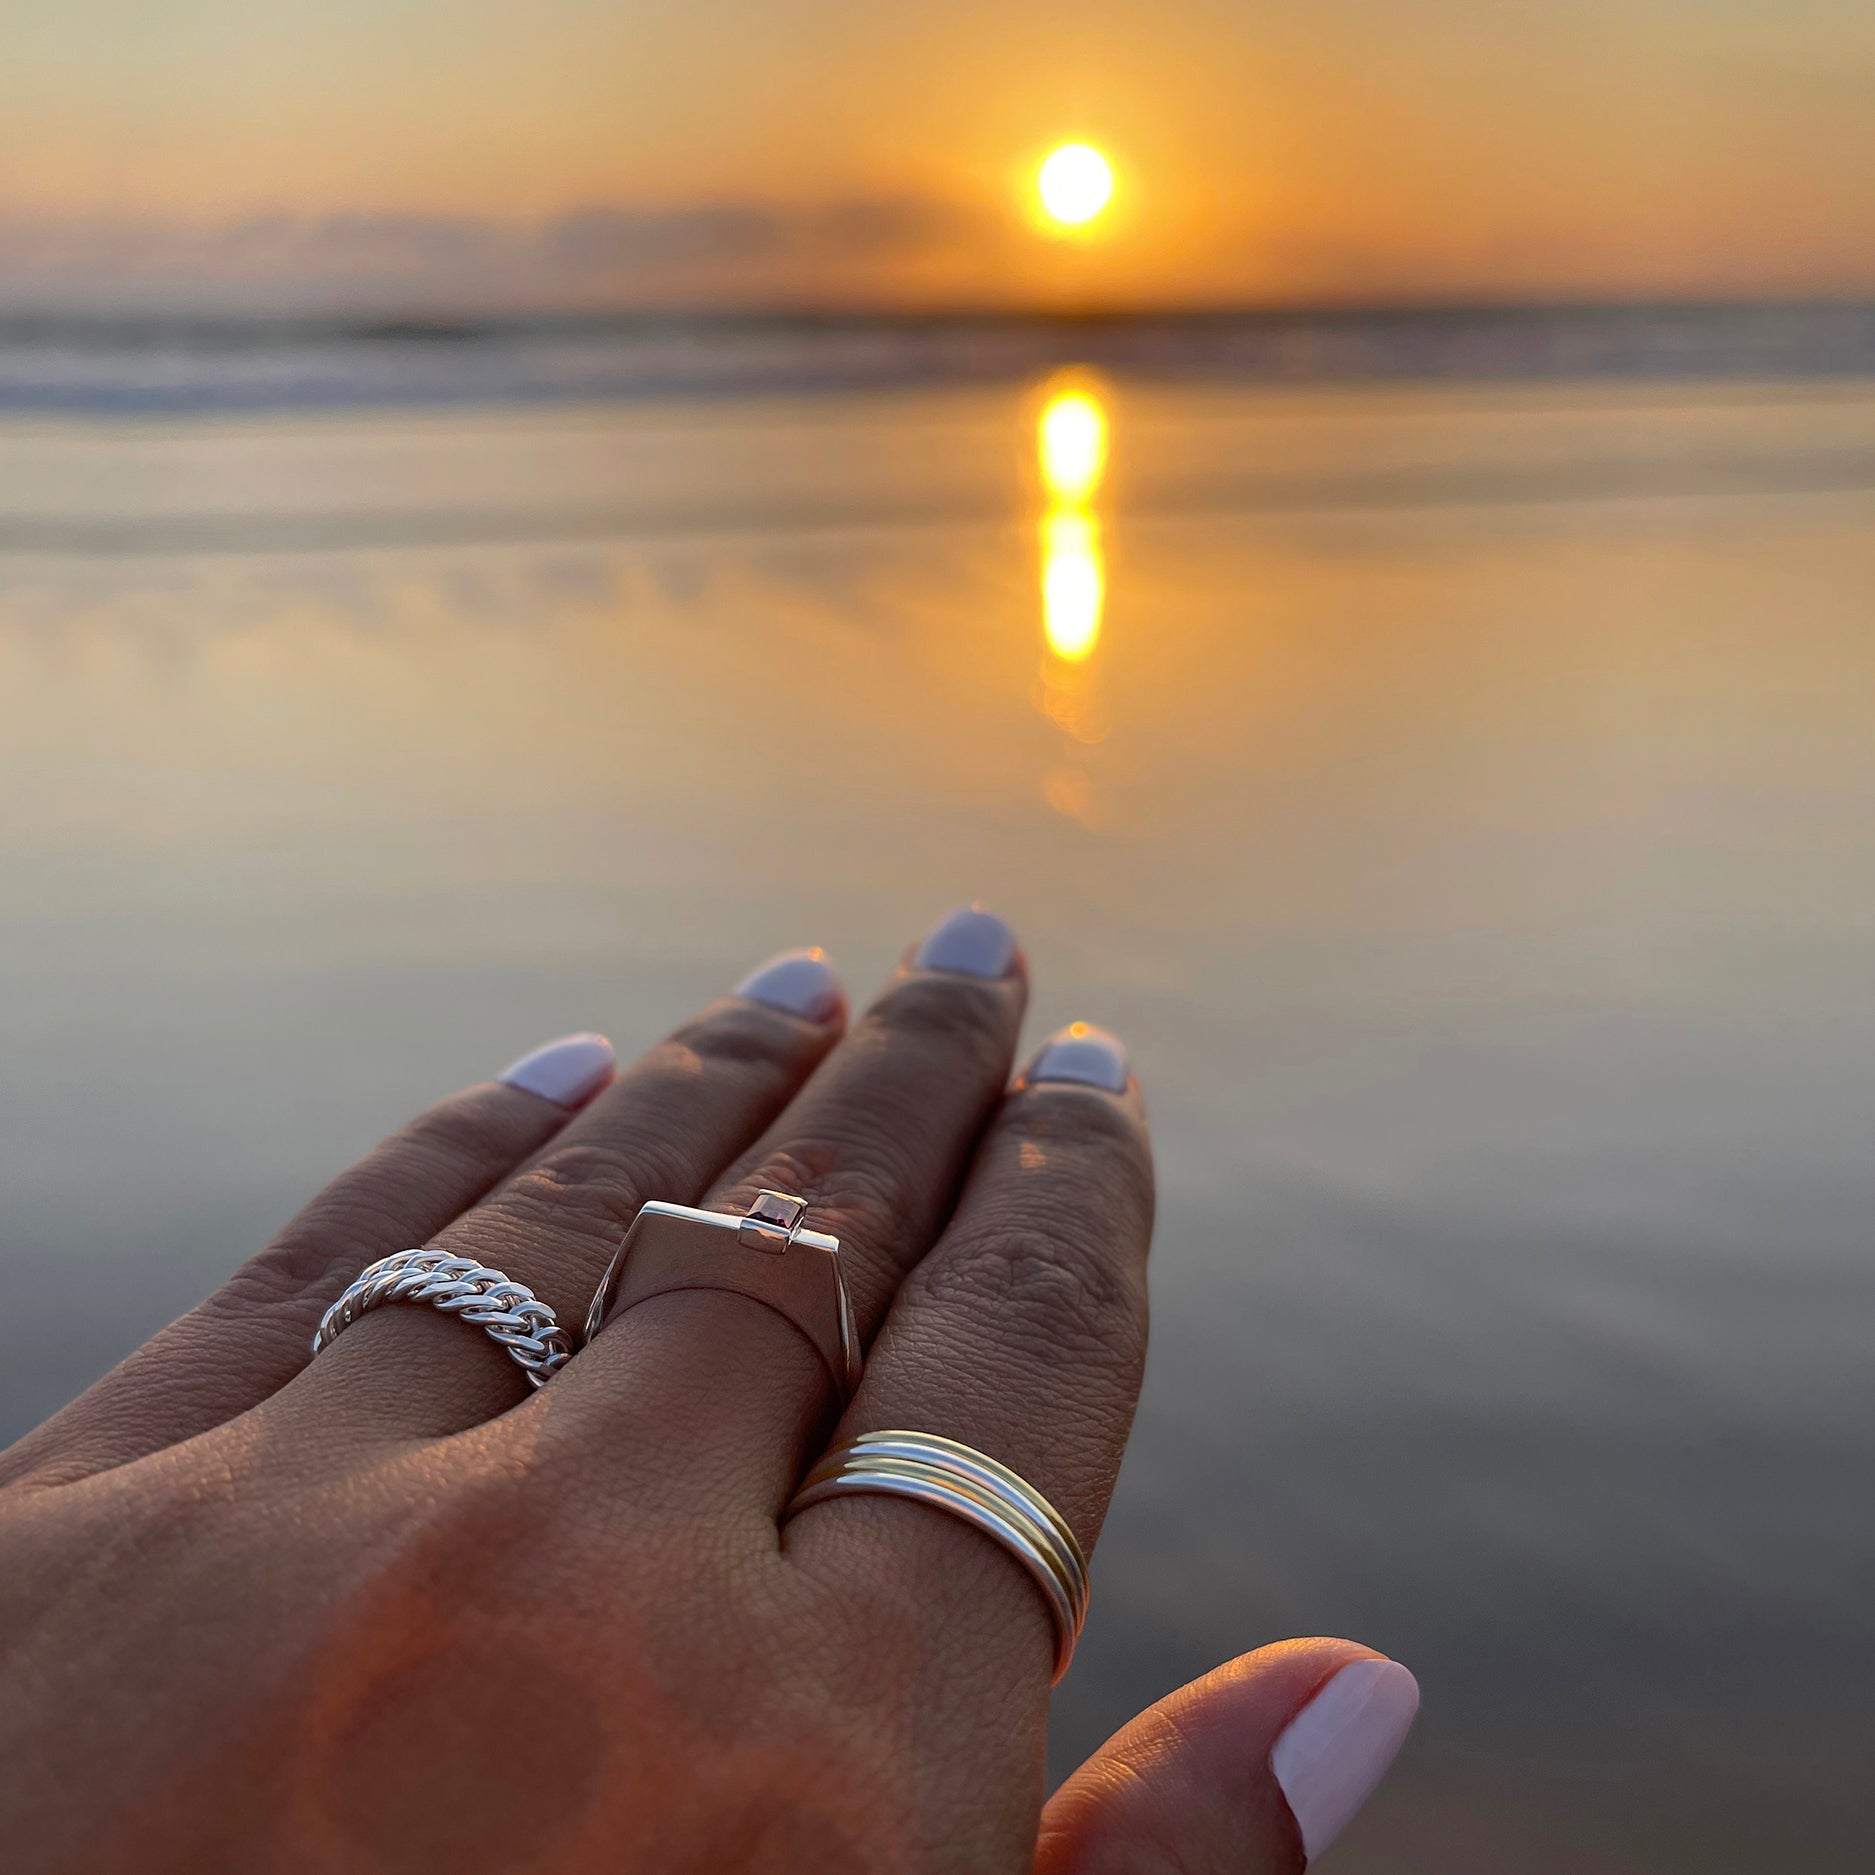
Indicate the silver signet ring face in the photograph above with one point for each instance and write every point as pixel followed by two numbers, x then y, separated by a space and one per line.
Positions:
pixel 765 1254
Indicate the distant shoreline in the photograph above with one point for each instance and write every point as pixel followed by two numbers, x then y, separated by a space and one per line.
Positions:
pixel 19 321
pixel 174 364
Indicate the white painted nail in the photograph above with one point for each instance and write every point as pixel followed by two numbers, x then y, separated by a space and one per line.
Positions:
pixel 567 1072
pixel 973 942
pixel 801 982
pixel 1082 1053
pixel 1337 1748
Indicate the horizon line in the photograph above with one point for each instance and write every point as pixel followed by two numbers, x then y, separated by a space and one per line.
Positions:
pixel 421 321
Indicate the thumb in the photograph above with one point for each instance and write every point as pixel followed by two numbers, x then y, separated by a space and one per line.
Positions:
pixel 1254 1769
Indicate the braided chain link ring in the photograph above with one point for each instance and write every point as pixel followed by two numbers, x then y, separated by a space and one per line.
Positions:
pixel 509 1312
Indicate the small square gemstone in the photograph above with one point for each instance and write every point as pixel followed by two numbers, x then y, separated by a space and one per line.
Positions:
pixel 771 1220
pixel 777 1208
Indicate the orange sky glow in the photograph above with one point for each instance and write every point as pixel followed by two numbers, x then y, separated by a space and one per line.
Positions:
pixel 826 151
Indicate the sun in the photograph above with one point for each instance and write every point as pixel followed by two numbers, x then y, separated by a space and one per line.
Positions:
pixel 1075 183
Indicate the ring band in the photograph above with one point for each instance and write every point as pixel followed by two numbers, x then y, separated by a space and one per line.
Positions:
pixel 508 1312
pixel 764 1254
pixel 970 1485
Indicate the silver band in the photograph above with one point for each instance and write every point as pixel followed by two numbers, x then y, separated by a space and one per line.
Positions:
pixel 509 1312
pixel 968 1484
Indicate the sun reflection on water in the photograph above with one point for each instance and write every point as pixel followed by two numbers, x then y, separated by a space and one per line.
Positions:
pixel 1071 449
pixel 1074 583
pixel 1072 442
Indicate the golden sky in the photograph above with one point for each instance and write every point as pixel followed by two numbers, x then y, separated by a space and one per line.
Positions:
pixel 827 149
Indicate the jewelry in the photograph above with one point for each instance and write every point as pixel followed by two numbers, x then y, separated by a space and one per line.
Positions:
pixel 508 1311
pixel 968 1484
pixel 765 1254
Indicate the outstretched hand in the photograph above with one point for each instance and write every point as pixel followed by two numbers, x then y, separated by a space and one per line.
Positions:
pixel 386 1610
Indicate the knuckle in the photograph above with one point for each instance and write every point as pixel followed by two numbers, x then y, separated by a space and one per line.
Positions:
pixel 1084 1148
pixel 1060 1114
pixel 860 1182
pixel 317 1254
pixel 468 1133
pixel 732 1035
pixel 1070 1290
pixel 1063 1133
pixel 298 1264
pixel 456 1150
pixel 946 1014
pixel 595 1177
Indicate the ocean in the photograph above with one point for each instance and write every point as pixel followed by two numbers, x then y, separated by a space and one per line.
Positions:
pixel 1439 743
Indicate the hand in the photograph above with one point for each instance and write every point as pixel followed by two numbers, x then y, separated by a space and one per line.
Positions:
pixel 385 1610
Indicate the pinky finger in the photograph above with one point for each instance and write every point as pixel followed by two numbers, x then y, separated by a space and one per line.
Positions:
pixel 1253 1770
pixel 255 1332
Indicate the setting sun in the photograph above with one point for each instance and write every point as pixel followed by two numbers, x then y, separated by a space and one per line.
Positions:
pixel 1075 184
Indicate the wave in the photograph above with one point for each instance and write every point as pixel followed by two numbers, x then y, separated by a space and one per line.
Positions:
pixel 52 364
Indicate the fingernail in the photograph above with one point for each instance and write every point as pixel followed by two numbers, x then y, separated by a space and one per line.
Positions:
pixel 972 943
pixel 1083 1053
pixel 567 1072
pixel 801 982
pixel 1338 1747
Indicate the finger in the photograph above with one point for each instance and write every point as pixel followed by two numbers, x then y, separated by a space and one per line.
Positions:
pixel 877 1144
pixel 1253 1770
pixel 255 1332
pixel 667 1125
pixel 1023 1334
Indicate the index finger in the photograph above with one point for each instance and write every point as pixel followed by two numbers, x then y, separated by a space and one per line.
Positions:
pixel 1023 1334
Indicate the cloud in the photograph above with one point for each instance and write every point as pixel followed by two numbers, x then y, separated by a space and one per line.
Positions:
pixel 731 235
pixel 617 240
pixel 616 255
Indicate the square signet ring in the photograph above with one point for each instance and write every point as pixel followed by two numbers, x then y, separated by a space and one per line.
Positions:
pixel 765 1254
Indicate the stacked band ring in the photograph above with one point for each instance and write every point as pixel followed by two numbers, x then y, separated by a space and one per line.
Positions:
pixel 969 1485
pixel 509 1312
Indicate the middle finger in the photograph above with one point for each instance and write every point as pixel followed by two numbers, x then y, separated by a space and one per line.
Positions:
pixel 715 1393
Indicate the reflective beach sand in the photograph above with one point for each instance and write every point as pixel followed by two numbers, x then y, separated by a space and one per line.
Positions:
pixel 1459 798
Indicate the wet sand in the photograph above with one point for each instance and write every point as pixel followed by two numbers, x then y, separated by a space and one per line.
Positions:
pixel 1458 796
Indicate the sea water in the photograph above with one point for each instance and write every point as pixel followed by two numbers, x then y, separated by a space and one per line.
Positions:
pixel 1456 791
